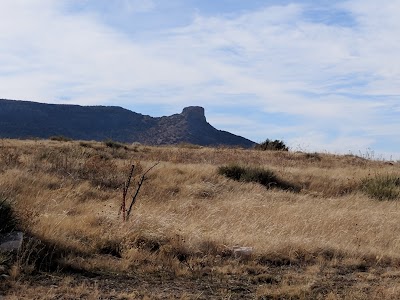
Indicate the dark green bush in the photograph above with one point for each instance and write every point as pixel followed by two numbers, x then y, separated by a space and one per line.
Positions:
pixel 382 187
pixel 7 220
pixel 257 175
pixel 276 145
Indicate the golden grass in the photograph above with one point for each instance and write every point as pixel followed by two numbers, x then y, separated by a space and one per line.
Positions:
pixel 187 217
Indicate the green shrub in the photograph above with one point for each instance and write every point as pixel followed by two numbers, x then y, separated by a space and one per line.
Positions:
pixel 8 222
pixel 382 187
pixel 258 175
pixel 276 145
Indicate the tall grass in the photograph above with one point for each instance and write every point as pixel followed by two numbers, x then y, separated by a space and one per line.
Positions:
pixel 188 217
pixel 79 197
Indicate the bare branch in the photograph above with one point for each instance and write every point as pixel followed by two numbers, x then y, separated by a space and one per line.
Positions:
pixel 125 192
pixel 140 183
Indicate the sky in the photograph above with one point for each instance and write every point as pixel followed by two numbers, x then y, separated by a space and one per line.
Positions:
pixel 320 75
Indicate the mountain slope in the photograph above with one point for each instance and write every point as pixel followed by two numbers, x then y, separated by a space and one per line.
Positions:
pixel 25 119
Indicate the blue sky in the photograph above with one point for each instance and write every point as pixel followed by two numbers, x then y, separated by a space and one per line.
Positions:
pixel 321 75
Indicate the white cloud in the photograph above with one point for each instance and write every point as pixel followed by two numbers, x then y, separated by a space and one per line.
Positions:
pixel 57 53
pixel 273 60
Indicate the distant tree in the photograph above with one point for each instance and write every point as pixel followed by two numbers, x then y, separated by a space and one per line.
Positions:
pixel 268 144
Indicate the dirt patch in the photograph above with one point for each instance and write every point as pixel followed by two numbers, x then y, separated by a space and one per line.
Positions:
pixel 252 282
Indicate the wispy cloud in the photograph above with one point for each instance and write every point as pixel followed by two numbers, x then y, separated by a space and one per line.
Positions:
pixel 329 78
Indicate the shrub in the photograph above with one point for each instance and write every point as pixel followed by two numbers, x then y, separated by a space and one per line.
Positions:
pixel 276 145
pixel 258 175
pixel 261 176
pixel 234 172
pixel 313 156
pixel 114 145
pixel 382 187
pixel 60 138
pixel 85 144
pixel 8 222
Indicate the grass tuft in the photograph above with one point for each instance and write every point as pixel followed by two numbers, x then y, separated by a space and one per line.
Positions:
pixel 382 186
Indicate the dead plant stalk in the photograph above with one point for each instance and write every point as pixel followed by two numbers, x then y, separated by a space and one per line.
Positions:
pixel 126 213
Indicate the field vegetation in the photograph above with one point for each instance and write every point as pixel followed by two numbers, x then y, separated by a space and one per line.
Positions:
pixel 319 226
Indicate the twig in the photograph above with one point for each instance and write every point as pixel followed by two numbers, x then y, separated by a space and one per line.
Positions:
pixel 124 193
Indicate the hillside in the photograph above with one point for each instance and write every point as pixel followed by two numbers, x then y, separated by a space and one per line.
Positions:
pixel 334 236
pixel 24 119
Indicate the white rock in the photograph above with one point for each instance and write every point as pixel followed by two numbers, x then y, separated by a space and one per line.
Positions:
pixel 242 251
pixel 11 241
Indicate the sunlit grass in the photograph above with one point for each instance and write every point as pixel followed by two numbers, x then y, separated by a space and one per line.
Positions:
pixel 189 215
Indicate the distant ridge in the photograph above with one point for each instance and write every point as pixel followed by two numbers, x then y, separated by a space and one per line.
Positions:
pixel 26 119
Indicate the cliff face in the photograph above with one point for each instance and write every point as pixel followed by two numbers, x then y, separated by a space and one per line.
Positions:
pixel 23 119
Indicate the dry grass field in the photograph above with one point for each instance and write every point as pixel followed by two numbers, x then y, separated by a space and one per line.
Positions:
pixel 336 235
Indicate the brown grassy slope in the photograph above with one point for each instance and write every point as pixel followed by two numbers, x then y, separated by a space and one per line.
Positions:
pixel 188 218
